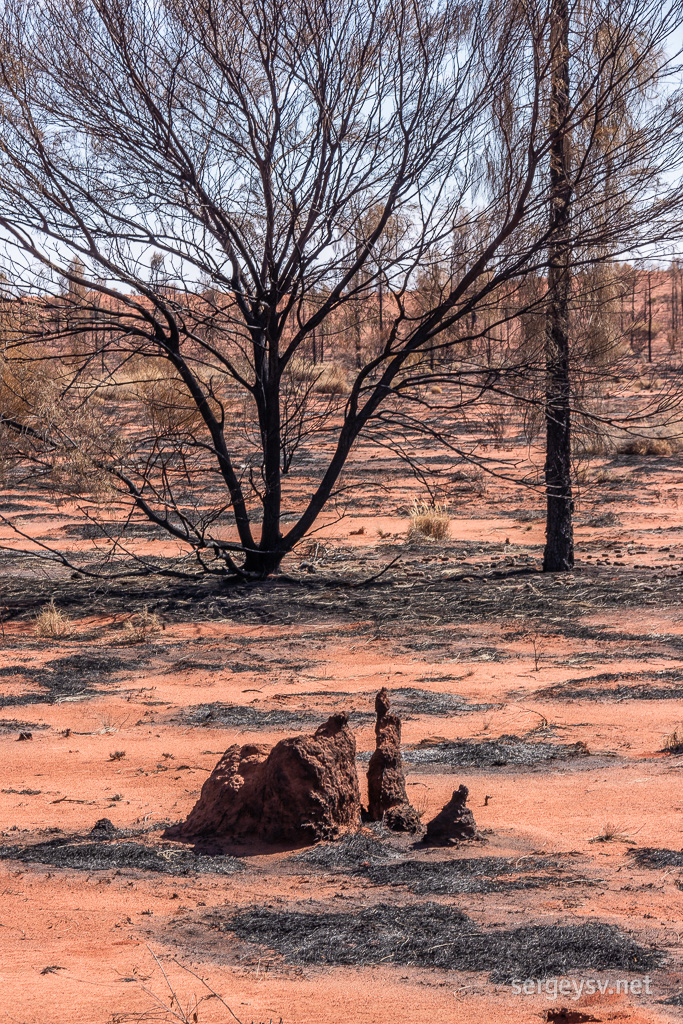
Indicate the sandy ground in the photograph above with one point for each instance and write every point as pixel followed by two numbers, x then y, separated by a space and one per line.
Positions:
pixel 471 616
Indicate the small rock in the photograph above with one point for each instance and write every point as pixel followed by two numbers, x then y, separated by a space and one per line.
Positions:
pixel 25 736
pixel 403 818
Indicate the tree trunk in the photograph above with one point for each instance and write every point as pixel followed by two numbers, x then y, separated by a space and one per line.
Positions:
pixel 559 548
pixel 262 564
pixel 649 316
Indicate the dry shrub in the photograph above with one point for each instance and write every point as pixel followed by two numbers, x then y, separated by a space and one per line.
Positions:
pixel 76 470
pixel 28 395
pixel 170 1007
pixel 27 385
pixel 52 624
pixel 420 802
pixel 610 477
pixel 324 378
pixel 35 393
pixel 645 446
pixel 140 626
pixel 428 521
pixel 302 371
pixel 331 380
pixel 613 833
pixel 673 743
pixel 168 404
pixel 414 359
pixel 495 422
pixel 593 441
pixel 125 381
pixel 469 480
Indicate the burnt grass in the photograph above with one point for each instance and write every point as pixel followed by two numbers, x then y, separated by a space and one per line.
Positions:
pixel 74 675
pixel 618 693
pixel 647 686
pixel 676 1000
pixel 10 725
pixel 218 715
pixel 103 856
pixel 494 753
pixel 347 853
pixel 430 597
pixel 433 935
pixel 406 701
pixel 651 857
pixel 469 875
pixel 409 701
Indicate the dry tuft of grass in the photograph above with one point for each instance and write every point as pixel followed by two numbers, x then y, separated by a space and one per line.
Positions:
pixel 140 626
pixel 331 380
pixel 323 378
pixel 107 725
pixel 610 477
pixel 51 623
pixel 430 521
pixel 613 833
pixel 645 446
pixel 673 744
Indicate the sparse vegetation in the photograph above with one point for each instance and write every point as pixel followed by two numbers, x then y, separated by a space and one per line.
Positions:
pixel 659 446
pixel 612 832
pixel 140 626
pixel 316 332
pixel 52 624
pixel 170 1007
pixel 428 521
pixel 673 744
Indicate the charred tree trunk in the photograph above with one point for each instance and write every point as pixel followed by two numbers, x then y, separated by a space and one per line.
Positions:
pixel 264 558
pixel 674 303
pixel 559 548
pixel 649 316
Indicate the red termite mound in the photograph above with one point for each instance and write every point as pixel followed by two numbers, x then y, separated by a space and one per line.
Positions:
pixel 454 822
pixel 304 788
pixel 387 796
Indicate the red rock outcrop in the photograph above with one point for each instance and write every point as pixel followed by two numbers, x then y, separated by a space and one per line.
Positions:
pixel 454 822
pixel 304 788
